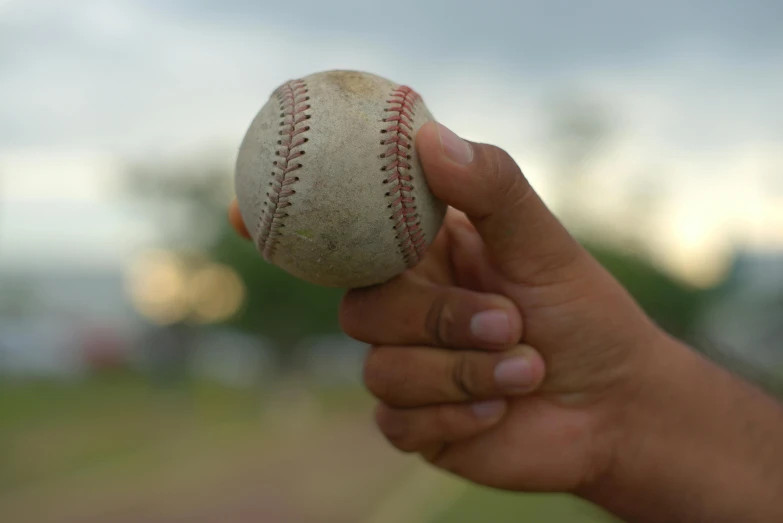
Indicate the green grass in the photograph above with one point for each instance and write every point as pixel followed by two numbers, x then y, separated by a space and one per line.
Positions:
pixel 87 448
pixel 114 438
pixel 491 506
pixel 50 429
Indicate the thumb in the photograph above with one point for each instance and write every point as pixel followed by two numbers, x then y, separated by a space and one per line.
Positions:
pixel 523 237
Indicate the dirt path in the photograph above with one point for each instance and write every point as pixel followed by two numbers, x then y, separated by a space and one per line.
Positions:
pixel 321 471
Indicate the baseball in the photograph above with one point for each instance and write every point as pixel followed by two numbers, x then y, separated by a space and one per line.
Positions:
pixel 329 184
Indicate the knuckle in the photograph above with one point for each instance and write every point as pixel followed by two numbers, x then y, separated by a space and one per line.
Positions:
pixel 382 376
pixel 349 315
pixel 440 321
pixel 448 421
pixel 396 429
pixel 433 452
pixel 552 266
pixel 374 374
pixel 358 310
pixel 504 175
pixel 560 265
pixel 464 376
pixel 451 462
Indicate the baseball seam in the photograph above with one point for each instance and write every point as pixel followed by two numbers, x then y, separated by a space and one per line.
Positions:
pixel 399 142
pixel 292 97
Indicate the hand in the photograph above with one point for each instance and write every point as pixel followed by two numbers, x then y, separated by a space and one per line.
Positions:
pixel 626 416
pixel 452 362
pixel 503 271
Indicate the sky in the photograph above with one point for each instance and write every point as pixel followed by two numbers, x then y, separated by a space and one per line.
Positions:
pixel 692 91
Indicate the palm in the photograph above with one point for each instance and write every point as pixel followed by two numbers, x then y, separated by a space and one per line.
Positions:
pixel 559 435
pixel 558 420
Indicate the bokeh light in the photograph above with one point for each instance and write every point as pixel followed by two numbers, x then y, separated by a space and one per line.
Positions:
pixel 215 293
pixel 167 288
pixel 156 282
pixel 234 396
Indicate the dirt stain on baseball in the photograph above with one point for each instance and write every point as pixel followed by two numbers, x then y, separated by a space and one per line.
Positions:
pixel 305 233
pixel 352 82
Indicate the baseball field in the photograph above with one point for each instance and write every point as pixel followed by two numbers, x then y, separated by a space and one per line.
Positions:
pixel 120 450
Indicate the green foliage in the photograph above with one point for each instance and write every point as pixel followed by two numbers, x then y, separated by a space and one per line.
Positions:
pixel 278 305
pixel 190 203
pixel 673 305
pixel 17 298
pixel 484 504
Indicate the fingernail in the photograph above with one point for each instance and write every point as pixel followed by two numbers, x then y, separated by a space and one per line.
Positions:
pixel 457 149
pixel 489 409
pixel 514 374
pixel 491 326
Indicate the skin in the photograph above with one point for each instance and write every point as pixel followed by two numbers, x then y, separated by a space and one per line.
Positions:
pixel 607 406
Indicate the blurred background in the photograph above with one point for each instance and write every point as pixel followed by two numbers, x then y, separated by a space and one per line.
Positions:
pixel 153 368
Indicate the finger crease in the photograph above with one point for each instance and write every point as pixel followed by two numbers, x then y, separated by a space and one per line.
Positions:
pixel 438 454
pixel 458 376
pixel 435 320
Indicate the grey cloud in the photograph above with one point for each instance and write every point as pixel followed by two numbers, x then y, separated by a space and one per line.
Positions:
pixel 525 33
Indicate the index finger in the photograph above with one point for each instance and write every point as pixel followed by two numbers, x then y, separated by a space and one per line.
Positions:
pixel 235 217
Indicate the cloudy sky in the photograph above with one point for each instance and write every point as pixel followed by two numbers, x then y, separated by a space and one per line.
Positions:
pixel 693 91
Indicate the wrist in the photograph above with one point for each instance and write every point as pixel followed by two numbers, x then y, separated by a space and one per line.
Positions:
pixel 680 444
pixel 634 428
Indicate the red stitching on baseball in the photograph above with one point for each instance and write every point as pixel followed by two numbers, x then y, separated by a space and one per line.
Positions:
pixel 292 97
pixel 399 141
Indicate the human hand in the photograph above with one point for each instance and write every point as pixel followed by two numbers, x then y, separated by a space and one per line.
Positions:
pixel 502 276
pixel 502 253
pixel 626 416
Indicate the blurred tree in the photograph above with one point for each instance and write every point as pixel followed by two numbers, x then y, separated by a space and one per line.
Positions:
pixel 190 203
pixel 577 130
pixel 18 298
pixel 645 192
pixel 675 306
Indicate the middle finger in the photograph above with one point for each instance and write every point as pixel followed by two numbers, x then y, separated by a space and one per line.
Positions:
pixel 407 377
pixel 412 311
